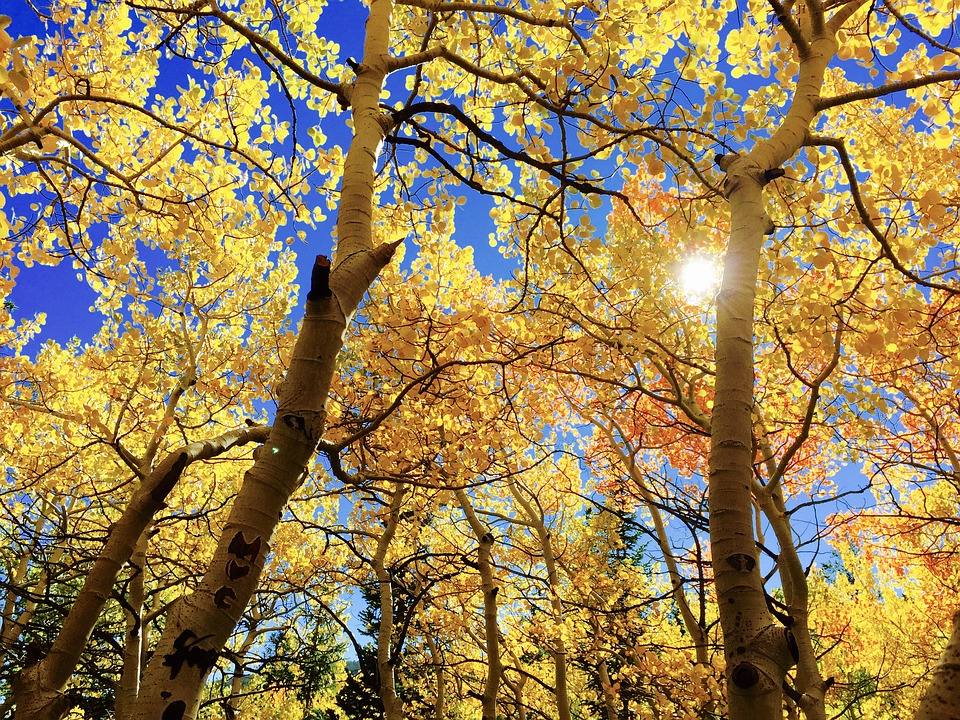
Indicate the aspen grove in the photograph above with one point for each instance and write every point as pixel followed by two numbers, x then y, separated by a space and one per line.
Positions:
pixel 531 359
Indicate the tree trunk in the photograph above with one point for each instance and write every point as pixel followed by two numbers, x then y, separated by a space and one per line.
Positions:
pixel 392 704
pixel 609 694
pixel 758 651
pixel 489 589
pixel 697 632
pixel 809 684
pixel 559 650
pixel 439 703
pixel 13 625
pixel 516 686
pixel 232 705
pixel 941 701
pixel 39 688
pixel 203 621
pixel 133 643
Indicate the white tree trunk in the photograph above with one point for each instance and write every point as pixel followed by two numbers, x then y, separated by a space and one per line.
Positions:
pixel 204 620
pixel 489 589
pixel 758 651
pixel 941 701
pixel 39 689
pixel 392 704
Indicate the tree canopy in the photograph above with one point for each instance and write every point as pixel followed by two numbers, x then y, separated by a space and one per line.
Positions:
pixel 594 359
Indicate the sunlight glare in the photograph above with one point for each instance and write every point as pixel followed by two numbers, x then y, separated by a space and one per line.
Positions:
pixel 699 279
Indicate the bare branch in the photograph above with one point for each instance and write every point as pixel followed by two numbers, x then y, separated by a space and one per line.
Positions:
pixel 851 173
pixel 792 28
pixel 883 90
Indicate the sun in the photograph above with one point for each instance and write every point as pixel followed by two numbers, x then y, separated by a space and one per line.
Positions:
pixel 699 279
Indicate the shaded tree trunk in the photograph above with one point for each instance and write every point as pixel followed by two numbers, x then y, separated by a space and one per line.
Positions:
pixel 392 704
pixel 133 645
pixel 941 700
pixel 559 650
pixel 441 686
pixel 489 589
pixel 690 622
pixel 232 704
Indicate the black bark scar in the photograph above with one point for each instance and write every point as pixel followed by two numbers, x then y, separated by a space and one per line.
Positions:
pixel 186 651
pixel 741 562
pixel 224 597
pixel 175 710
pixel 320 279
pixel 242 549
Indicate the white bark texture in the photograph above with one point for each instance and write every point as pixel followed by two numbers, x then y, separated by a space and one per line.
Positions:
pixel 488 587
pixel 392 703
pixel 129 686
pixel 758 651
pixel 941 701
pixel 697 632
pixel 204 620
pixel 559 650
pixel 39 689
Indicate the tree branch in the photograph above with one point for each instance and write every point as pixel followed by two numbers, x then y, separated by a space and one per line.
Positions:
pixel 851 173
pixel 884 90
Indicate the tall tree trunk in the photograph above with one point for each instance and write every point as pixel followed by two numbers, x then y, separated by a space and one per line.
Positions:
pixel 609 694
pixel 489 589
pixel 392 704
pixel 758 651
pixel 941 700
pixel 203 621
pixel 810 686
pixel 559 651
pixel 133 643
pixel 441 686
pixel 14 624
pixel 516 686
pixel 232 705
pixel 690 622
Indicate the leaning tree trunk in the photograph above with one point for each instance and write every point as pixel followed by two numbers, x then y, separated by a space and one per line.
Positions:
pixel 39 689
pixel 698 632
pixel 203 621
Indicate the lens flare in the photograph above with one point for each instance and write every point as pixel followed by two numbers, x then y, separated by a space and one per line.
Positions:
pixel 699 279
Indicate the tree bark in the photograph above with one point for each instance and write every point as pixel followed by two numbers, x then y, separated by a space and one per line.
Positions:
pixel 941 700
pixel 39 688
pixel 809 682
pixel 133 643
pixel 13 627
pixel 758 651
pixel 559 650
pixel 392 704
pixel 232 704
pixel 697 632
pixel 203 621
pixel 489 589
pixel 441 686
pixel 516 686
